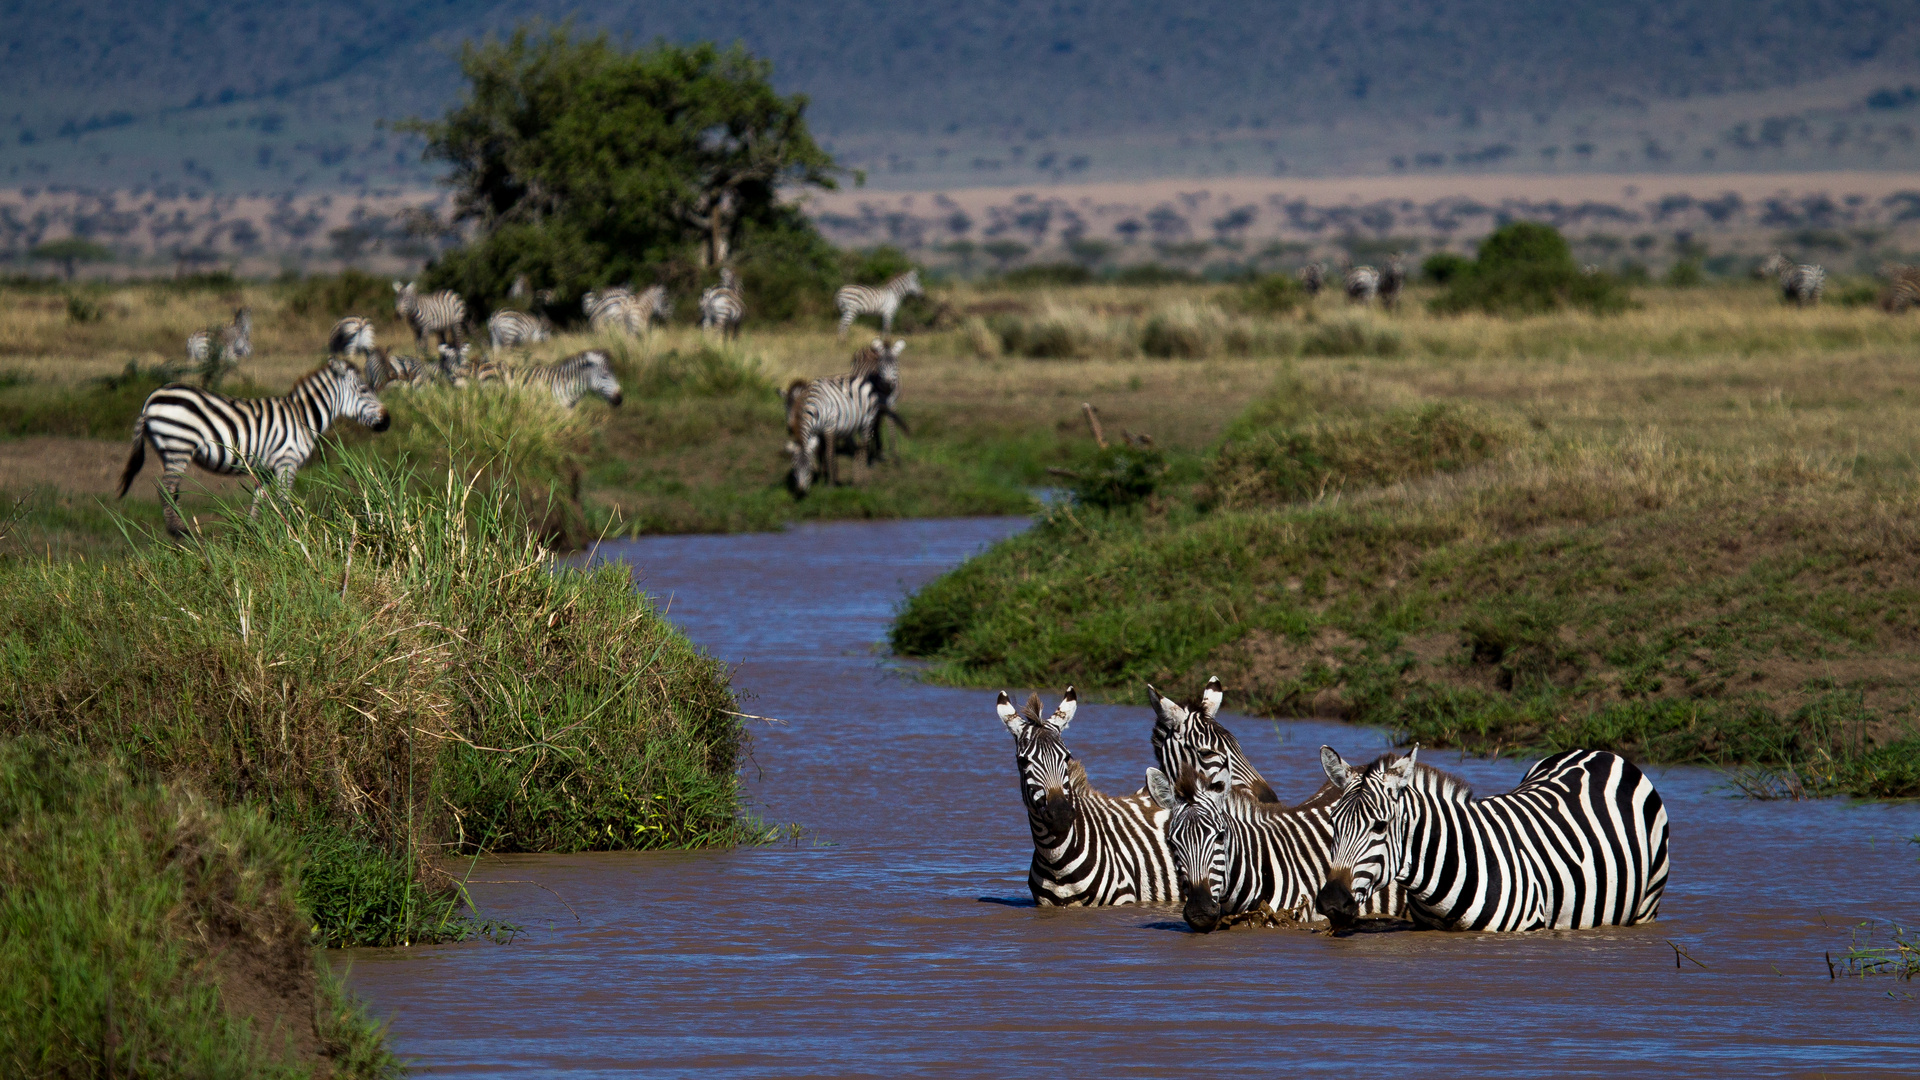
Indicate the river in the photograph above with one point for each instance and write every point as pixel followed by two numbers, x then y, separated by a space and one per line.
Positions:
pixel 894 934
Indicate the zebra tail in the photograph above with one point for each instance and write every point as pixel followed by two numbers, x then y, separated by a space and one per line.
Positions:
pixel 137 459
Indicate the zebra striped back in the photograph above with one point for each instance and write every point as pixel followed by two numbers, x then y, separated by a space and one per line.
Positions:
pixel 510 328
pixel 1392 281
pixel 385 369
pixel 1902 290
pixel 1770 267
pixel 1184 735
pixel 833 410
pixel 1312 276
pixel 621 309
pixel 1235 854
pixel 1803 284
pixel 236 340
pixel 721 307
pixel 569 380
pixel 1088 847
pixel 442 313
pixel 1581 842
pixel 352 334
pixel 1362 283
pixel 853 301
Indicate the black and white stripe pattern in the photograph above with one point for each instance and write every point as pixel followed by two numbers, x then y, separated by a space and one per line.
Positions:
pixel 231 436
pixel 853 301
pixel 442 313
pixel 1392 281
pixel 1088 847
pixel 833 411
pixel 1235 854
pixel 1312 277
pixel 1581 842
pixel 352 334
pixel 1183 735
pixel 1902 290
pixel 385 369
pixel 721 307
pixel 1771 267
pixel 881 363
pixel 1362 283
pixel 569 380
pixel 507 329
pixel 621 309
pixel 235 339
pixel 1803 284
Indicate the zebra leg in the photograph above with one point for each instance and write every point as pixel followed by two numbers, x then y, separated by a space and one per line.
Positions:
pixel 170 499
pixel 846 320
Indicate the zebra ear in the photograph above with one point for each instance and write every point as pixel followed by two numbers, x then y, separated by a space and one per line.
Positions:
pixel 1063 715
pixel 1161 789
pixel 1401 769
pixel 397 287
pixel 899 346
pixel 1165 708
pixel 1009 715
pixel 1210 699
pixel 1338 771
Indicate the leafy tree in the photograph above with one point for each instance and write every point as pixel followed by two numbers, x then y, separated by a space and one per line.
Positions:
pixel 582 164
pixel 70 251
pixel 1525 268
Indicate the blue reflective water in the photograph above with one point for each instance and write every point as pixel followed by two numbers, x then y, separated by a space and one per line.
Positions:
pixel 866 949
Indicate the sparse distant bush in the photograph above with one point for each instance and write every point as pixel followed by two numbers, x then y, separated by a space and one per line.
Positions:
pixel 82 309
pixel 1686 274
pixel 1526 268
pixel 1272 294
pixel 1153 274
pixel 1120 476
pixel 1443 266
pixel 350 292
pixel 875 266
pixel 1043 274
pixel 1351 337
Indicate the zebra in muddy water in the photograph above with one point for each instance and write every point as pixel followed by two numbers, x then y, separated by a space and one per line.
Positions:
pixel 620 308
pixel 569 380
pixel 442 313
pixel 853 301
pixel 230 436
pixel 1088 847
pixel 1235 854
pixel 1581 842
pixel 721 307
pixel 351 335
pixel 1183 734
pixel 1803 284
pixel 507 329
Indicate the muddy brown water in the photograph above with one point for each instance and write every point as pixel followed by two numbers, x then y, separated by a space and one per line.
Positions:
pixel 897 937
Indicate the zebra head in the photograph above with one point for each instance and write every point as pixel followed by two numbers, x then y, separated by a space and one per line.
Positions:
pixel 1185 735
pixel 662 307
pixel 910 283
pixel 405 298
pixel 1197 825
pixel 1047 769
pixel 1368 821
pixel 350 395
pixel 596 372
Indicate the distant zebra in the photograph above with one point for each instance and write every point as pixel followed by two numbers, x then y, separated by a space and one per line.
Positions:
pixel 583 373
pixel 1233 853
pixel 1181 735
pixel 1312 277
pixel 1088 847
pixel 1392 281
pixel 619 308
pixel 352 334
pixel 1771 267
pixel 881 362
pixel 721 307
pixel 236 340
pixel 853 301
pixel 1362 283
pixel 232 436
pixel 831 412
pixel 442 313
pixel 510 328
pixel 1581 842
pixel 1902 290
pixel 385 369
pixel 1803 284
pixel 456 365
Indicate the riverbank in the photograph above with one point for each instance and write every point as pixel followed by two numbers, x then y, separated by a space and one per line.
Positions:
pixel 1688 532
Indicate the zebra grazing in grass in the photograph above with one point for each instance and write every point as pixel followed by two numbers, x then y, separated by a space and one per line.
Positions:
pixel 1581 842
pixel 352 334
pixel 1088 847
pixel 1803 284
pixel 1182 734
pixel 1902 290
pixel 510 328
pixel 721 307
pixel 456 365
pixel 1233 853
pixel 236 340
pixel 232 436
pixel 1362 283
pixel 881 362
pixel 583 373
pixel 620 308
pixel 385 369
pixel 1392 281
pixel 853 301
pixel 1312 277
pixel 1771 267
pixel 442 313
pixel 833 412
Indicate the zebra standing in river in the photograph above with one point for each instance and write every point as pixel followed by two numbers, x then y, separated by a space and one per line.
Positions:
pixel 1088 847
pixel 1182 734
pixel 832 412
pixel 236 340
pixel 583 373
pixel 233 435
pixel 1362 283
pixel 442 313
pixel 1581 842
pixel 620 308
pixel 853 301
pixel 881 362
pixel 1803 284
pixel 509 328
pixel 721 307
pixel 352 334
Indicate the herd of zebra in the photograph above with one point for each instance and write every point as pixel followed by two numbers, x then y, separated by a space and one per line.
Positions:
pixel 1581 842
pixel 1361 283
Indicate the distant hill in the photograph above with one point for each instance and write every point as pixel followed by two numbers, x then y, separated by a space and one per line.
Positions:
pixel 241 95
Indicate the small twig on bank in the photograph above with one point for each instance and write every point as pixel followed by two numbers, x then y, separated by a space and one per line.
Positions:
pixel 750 716
pixel 1093 421
pixel 1679 952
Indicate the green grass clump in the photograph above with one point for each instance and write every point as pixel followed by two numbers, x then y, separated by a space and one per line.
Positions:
pixel 395 662
pixel 1283 465
pixel 133 920
pixel 102 409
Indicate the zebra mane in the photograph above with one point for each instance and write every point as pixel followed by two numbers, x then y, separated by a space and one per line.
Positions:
pixel 1438 780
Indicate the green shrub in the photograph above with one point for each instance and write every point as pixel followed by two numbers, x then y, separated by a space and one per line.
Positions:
pixel 332 296
pixel 102 409
pixel 1270 294
pixel 1120 476
pixel 1045 274
pixel 83 309
pixel 788 271
pixel 1526 268
pixel 1686 274
pixel 1153 274
pixel 1443 266
pixel 1169 336
pixel 874 266
pixel 1351 337
pixel 1859 294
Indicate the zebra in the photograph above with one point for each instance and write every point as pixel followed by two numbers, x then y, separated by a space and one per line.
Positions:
pixel 1392 281
pixel 1362 283
pixel 442 313
pixel 385 369
pixel 569 380
pixel 620 308
pixel 352 334
pixel 1181 734
pixel 830 412
pixel 232 436
pixel 881 362
pixel 853 301
pixel 510 328
pixel 456 365
pixel 1088 847
pixel 1581 842
pixel 1803 284
pixel 1770 267
pixel 1902 290
pixel 1312 277
pixel 1235 854
pixel 236 340
pixel 721 307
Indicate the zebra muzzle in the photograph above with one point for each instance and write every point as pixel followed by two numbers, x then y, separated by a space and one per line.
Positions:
pixel 1202 911
pixel 1335 901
